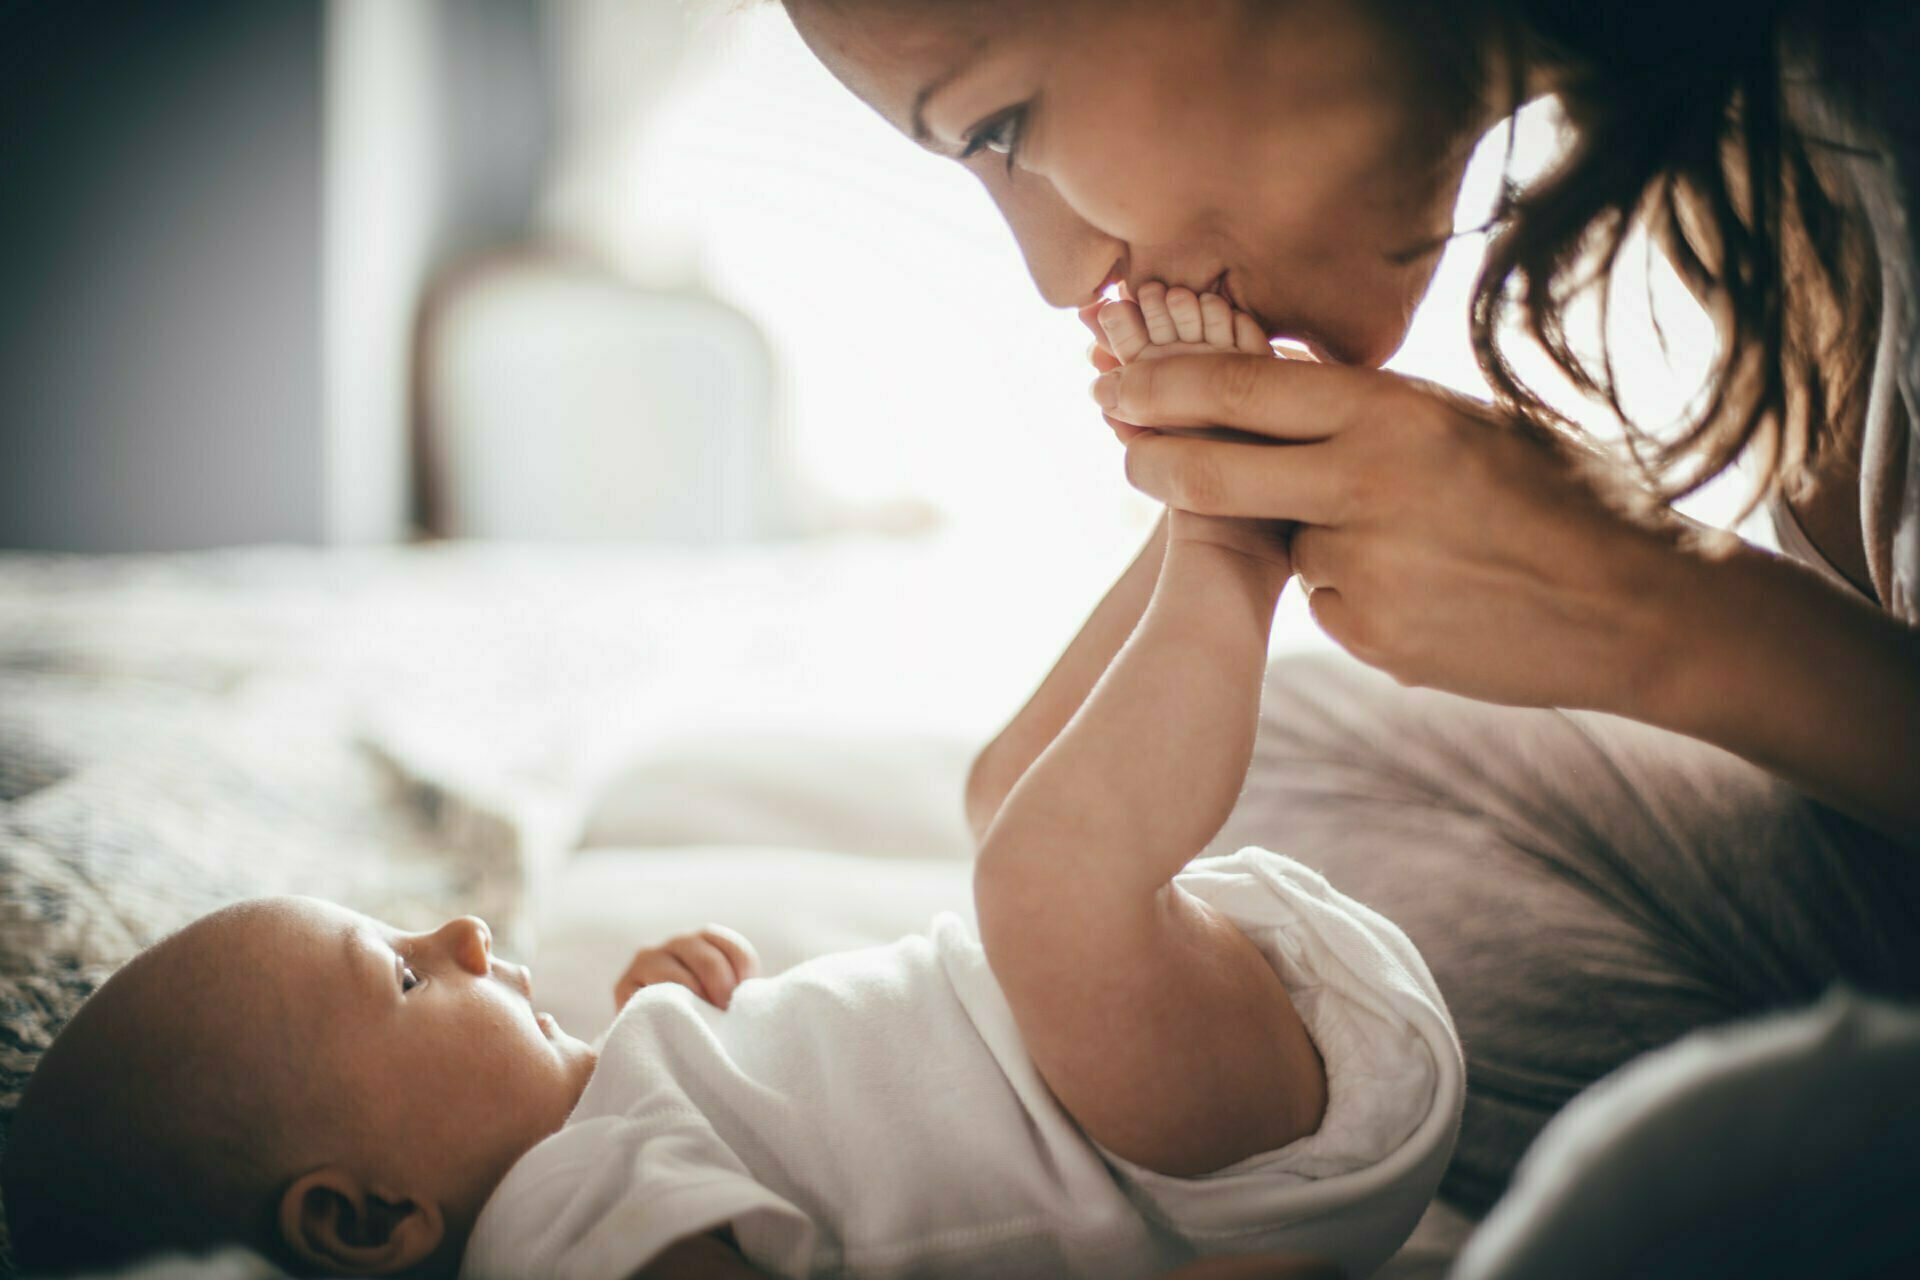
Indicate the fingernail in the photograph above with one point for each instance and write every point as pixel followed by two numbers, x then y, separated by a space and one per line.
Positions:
pixel 1106 389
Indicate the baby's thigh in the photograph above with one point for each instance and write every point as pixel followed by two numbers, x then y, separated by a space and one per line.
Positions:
pixel 1584 888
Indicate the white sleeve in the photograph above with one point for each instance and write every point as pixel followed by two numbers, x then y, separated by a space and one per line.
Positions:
pixel 603 1197
pixel 1352 1190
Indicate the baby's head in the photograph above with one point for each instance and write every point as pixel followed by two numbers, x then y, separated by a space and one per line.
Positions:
pixel 293 1076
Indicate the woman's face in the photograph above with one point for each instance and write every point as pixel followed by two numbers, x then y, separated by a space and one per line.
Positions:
pixel 1289 152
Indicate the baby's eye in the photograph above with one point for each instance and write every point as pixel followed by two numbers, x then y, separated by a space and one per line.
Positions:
pixel 408 978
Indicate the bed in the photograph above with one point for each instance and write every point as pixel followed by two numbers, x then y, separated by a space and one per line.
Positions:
pixel 588 745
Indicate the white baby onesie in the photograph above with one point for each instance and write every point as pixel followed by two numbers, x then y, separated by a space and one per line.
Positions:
pixel 874 1114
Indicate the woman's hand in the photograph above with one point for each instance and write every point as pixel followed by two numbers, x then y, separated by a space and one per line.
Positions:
pixel 710 962
pixel 1437 543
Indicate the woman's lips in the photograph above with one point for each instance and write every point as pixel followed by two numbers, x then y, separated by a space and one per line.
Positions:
pixel 1222 284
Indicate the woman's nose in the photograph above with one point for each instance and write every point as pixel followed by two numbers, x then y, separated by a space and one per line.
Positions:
pixel 470 942
pixel 1069 258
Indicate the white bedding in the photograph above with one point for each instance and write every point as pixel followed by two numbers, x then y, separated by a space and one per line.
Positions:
pixel 772 735
pixel 510 681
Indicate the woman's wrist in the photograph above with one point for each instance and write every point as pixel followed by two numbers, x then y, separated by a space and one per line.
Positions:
pixel 1710 615
pixel 1674 655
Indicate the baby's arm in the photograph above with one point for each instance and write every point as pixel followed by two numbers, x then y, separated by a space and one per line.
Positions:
pixel 1157 1024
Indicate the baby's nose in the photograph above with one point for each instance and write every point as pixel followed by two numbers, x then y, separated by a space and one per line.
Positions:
pixel 472 942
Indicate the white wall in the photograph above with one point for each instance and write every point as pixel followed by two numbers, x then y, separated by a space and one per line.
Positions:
pixel 159 276
pixel 436 136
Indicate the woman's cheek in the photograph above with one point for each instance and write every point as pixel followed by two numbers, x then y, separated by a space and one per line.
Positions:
pixel 1141 204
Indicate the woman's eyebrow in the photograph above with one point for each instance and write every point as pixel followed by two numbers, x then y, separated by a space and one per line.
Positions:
pixel 917 118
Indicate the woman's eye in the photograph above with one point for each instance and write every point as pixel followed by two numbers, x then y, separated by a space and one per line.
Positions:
pixel 999 134
pixel 408 979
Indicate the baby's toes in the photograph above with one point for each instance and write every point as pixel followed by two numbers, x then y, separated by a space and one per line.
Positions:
pixel 1126 331
pixel 1216 317
pixel 1248 336
pixel 1153 311
pixel 1184 308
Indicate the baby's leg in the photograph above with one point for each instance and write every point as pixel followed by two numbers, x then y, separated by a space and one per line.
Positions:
pixel 1159 1026
pixel 1166 322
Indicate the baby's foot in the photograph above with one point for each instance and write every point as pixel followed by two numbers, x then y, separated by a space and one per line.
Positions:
pixel 1170 322
pixel 1173 322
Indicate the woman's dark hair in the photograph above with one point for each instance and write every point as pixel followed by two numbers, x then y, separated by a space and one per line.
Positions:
pixel 1681 123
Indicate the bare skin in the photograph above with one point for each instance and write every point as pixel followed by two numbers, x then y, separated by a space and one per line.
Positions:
pixel 1268 152
pixel 1154 1021
pixel 1262 145
pixel 289 1047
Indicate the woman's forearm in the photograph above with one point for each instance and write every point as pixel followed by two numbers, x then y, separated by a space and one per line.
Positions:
pixel 1002 762
pixel 1772 662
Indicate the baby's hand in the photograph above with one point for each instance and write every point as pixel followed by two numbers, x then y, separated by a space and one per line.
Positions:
pixel 709 962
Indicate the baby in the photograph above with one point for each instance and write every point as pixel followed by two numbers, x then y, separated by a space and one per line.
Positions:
pixel 1136 1063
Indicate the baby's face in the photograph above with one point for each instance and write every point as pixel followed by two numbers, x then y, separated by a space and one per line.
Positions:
pixel 427 1048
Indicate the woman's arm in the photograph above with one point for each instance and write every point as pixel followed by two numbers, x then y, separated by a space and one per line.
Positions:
pixel 1157 1023
pixel 1453 551
pixel 1002 762
pixel 1785 669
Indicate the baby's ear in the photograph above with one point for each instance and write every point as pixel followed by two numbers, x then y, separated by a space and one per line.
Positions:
pixel 333 1221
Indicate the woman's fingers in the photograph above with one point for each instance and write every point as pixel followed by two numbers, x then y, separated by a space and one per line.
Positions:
pixel 1284 399
pixel 1333 616
pixel 1316 553
pixel 1302 482
pixel 1321 563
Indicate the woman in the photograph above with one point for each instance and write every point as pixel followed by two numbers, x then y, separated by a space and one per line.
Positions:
pixel 1725 824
